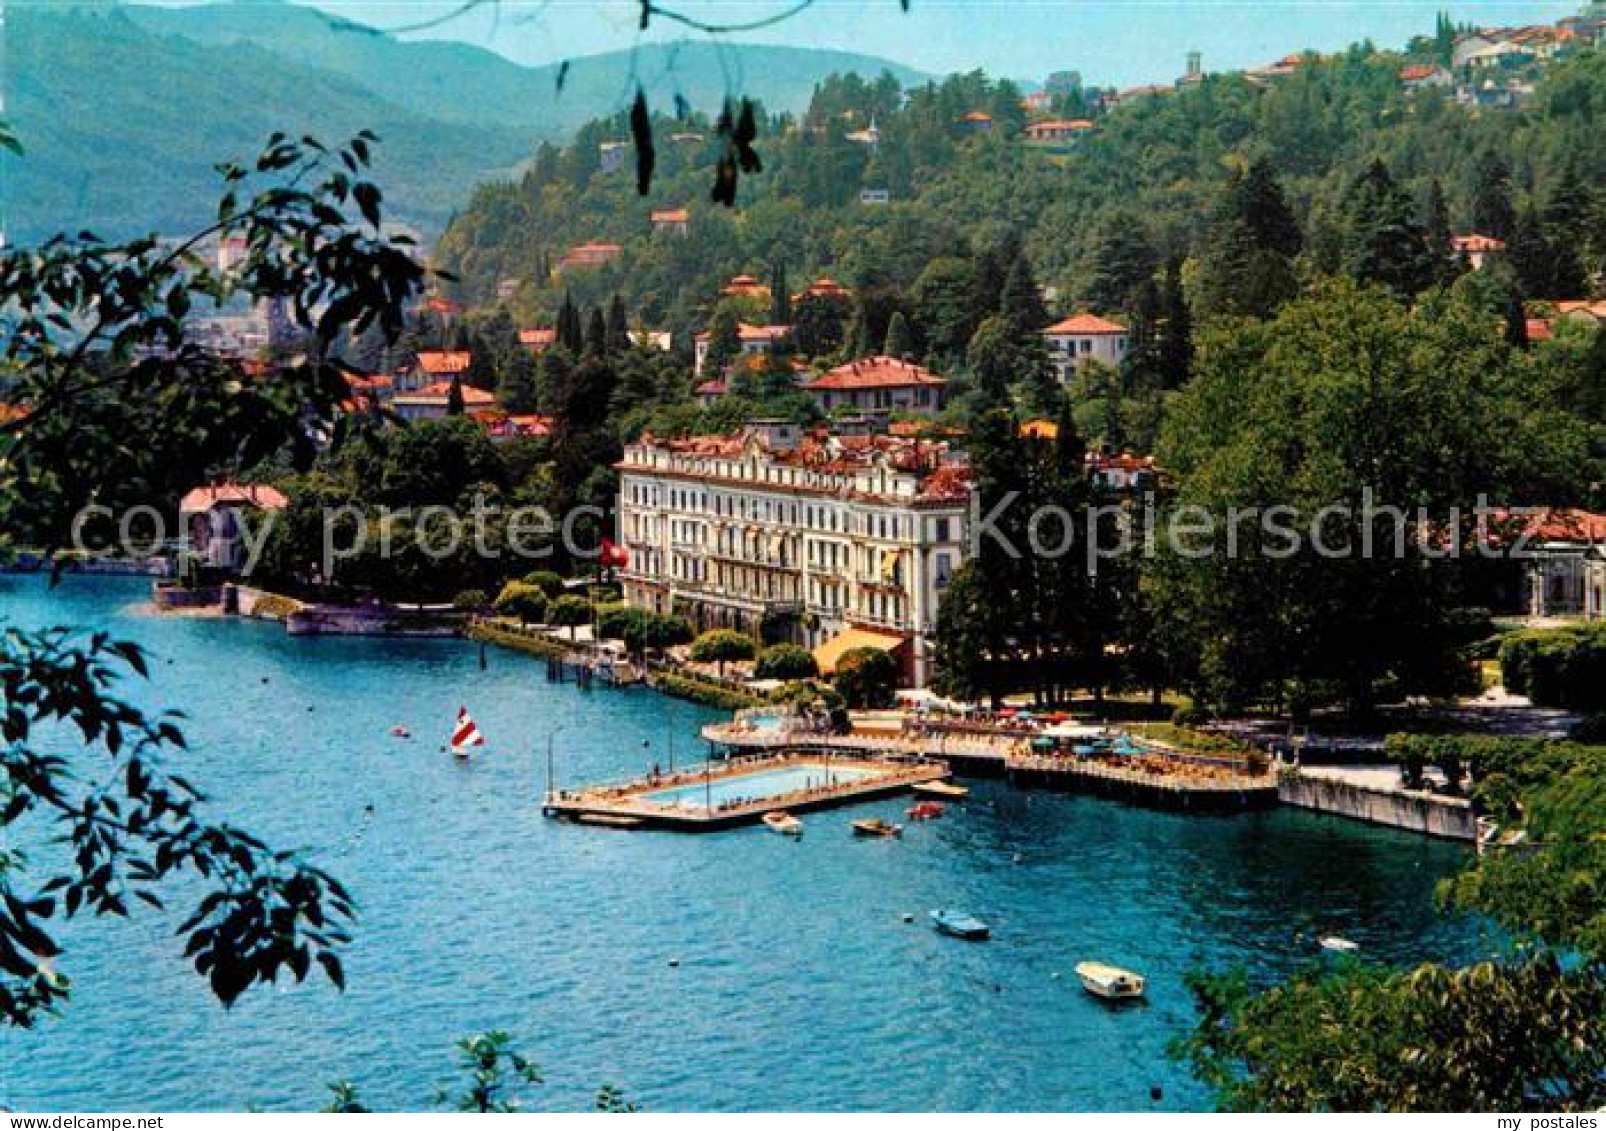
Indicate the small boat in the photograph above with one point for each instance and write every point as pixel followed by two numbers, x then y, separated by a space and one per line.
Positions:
pixel 784 823
pixel 1109 982
pixel 399 731
pixel 876 827
pixel 465 736
pixel 940 789
pixel 961 925
pixel 1339 945
pixel 925 811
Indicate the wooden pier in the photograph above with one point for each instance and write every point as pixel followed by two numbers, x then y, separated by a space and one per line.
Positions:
pixel 632 804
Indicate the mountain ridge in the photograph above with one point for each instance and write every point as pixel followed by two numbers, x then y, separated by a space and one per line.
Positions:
pixel 124 109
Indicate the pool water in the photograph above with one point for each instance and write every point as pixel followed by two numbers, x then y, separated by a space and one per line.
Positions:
pixel 723 971
pixel 759 786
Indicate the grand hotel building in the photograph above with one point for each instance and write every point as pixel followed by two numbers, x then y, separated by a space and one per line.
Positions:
pixel 850 541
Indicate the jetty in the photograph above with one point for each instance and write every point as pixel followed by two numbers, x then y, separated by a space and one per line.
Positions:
pixel 740 791
pixel 1141 770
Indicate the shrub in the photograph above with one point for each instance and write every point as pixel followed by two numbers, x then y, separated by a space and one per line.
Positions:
pixel 549 583
pixel 721 646
pixel 569 611
pixel 469 600
pixel 522 601
pixel 866 678
pixel 813 697
pixel 786 661
pixel 1558 667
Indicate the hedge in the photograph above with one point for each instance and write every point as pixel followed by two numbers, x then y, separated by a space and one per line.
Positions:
pixel 1557 667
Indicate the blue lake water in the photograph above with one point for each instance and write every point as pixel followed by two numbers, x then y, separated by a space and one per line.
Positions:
pixel 798 984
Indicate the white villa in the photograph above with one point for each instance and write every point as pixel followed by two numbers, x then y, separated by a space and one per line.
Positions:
pixel 1083 338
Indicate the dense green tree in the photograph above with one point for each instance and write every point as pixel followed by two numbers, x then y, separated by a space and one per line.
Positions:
pixel 618 335
pixel 1282 415
pixel 1021 301
pixel 866 678
pixel 721 646
pixel 724 342
pixel 1531 257
pixel 820 324
pixel 1492 211
pixel 1383 240
pixel 1121 260
pixel 785 661
pixel 454 397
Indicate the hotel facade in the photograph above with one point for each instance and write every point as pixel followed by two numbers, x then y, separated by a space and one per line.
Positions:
pixel 845 541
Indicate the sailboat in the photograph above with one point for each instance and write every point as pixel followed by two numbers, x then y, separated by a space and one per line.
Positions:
pixel 465 734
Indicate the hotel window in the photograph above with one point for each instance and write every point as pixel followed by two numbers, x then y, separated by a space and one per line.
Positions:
pixel 941 569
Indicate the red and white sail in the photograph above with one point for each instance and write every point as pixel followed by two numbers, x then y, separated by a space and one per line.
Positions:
pixel 465 734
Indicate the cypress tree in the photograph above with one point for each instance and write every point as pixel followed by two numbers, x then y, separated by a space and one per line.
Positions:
pixel 596 344
pixel 1531 258
pixel 454 398
pixel 1436 231
pixel 1492 212
pixel 900 343
pixel 1176 335
pixel 1566 218
pixel 1021 302
pixel 618 326
pixel 780 297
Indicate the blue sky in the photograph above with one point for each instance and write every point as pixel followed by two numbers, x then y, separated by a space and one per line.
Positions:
pixel 1120 42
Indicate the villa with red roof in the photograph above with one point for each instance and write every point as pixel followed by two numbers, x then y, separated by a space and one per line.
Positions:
pixel 1476 248
pixel 675 221
pixel 214 520
pixel 430 402
pixel 1058 130
pixel 538 340
pixel 754 339
pixel 878 385
pixel 1075 342
pixel 432 366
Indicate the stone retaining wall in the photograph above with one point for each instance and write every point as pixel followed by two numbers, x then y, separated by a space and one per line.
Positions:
pixel 1449 817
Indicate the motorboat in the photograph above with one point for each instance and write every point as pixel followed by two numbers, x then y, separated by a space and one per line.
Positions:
pixel 876 827
pixel 1110 982
pixel 925 810
pixel 783 822
pixel 940 789
pixel 961 925
pixel 1339 945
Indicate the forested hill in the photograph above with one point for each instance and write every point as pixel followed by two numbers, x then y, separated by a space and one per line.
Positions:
pixel 125 108
pixel 1097 220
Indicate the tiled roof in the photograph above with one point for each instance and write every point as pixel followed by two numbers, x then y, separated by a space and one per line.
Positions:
pixel 538 338
pixel 1418 71
pixel 875 373
pixel 747 332
pixel 436 362
pixel 440 390
pixel 1090 324
pixel 1477 242
pixel 258 494
pixel 670 216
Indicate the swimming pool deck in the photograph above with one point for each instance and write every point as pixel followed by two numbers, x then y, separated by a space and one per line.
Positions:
pixel 1197 783
pixel 632 804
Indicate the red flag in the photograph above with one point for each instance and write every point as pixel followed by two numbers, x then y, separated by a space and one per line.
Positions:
pixel 613 554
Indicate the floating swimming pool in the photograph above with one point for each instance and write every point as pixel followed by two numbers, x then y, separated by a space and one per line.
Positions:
pixel 760 785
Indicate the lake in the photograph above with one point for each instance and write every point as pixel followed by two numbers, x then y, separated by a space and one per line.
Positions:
pixel 796 984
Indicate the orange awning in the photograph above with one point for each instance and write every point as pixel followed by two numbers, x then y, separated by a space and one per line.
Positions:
pixel 827 654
